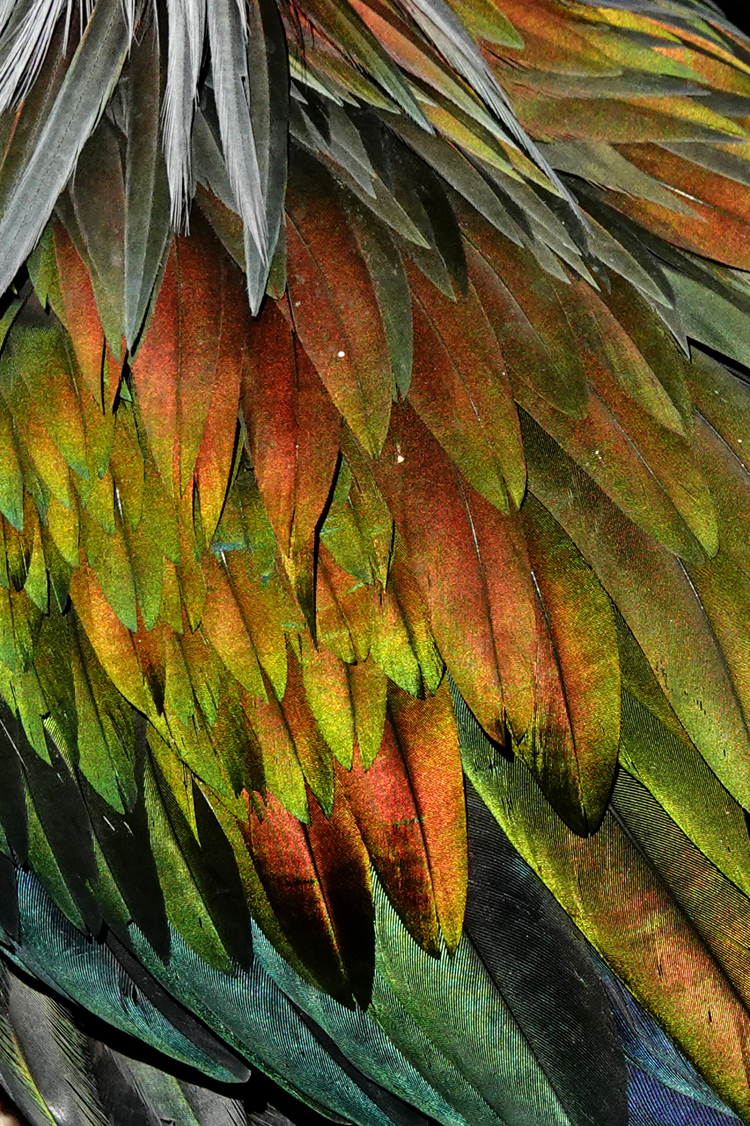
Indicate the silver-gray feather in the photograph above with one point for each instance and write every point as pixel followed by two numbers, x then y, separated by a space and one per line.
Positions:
pixel 446 32
pixel 187 28
pixel 26 38
pixel 227 30
pixel 85 91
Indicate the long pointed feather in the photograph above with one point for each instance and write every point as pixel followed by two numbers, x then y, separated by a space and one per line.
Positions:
pixel 187 19
pixel 227 28
pixel 87 85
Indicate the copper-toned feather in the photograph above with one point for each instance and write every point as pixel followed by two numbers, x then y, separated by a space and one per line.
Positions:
pixel 334 311
pixel 292 430
pixel 418 454
pixel 476 599
pixel 319 871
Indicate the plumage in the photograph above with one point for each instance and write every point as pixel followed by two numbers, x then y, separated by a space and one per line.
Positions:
pixel 374 575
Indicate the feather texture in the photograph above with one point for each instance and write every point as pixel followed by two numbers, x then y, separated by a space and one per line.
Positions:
pixel 417 453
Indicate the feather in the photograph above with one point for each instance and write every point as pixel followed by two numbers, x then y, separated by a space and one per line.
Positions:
pixel 26 38
pixel 292 429
pixel 431 503
pixel 648 1049
pixel 187 19
pixel 650 1103
pixel 89 973
pixel 350 1030
pixel 54 1052
pixel 475 385
pixel 543 987
pixel 319 870
pixel 228 31
pixel 519 308
pixel 102 229
pixel 572 743
pixel 258 1018
pixel 679 951
pixel 72 296
pixel 269 110
pixel 330 293
pixel 146 219
pixel 223 627
pixel 449 420
pixel 349 32
pixel 87 85
pixel 442 27
pixel 664 574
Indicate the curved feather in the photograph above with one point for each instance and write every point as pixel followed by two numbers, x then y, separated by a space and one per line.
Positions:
pixel 85 89
pixel 240 711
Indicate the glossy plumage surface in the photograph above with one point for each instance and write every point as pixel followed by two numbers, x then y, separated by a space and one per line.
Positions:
pixel 375 587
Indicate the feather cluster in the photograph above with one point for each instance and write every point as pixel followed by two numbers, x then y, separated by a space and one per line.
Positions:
pixel 461 492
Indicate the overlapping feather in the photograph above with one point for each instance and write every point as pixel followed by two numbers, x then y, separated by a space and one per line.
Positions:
pixel 465 431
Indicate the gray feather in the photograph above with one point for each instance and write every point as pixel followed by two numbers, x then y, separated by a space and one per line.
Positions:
pixel 187 24
pixel 448 35
pixel 85 91
pixel 227 29
pixel 24 44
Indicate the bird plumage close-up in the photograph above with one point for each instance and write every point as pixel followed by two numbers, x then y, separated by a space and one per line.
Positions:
pixel 374 563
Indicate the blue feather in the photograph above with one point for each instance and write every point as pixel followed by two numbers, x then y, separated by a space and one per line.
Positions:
pixel 650 1103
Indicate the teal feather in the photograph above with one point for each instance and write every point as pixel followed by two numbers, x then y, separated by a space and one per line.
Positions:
pixel 86 971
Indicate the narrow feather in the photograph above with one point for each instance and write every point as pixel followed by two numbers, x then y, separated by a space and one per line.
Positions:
pixel 292 430
pixel 147 215
pixel 90 78
pixel 187 20
pixel 24 44
pixel 227 29
pixel 553 987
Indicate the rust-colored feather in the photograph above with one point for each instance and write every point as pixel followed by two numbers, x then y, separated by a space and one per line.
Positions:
pixel 318 872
